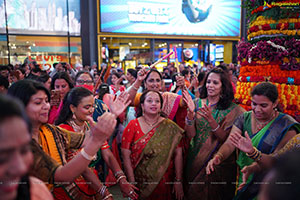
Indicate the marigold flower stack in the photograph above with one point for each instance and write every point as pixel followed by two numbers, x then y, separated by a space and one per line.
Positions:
pixel 272 52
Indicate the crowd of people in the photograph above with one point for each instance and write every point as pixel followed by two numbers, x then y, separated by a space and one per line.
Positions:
pixel 72 133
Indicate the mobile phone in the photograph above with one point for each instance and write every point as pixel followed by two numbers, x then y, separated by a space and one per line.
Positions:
pixel 55 95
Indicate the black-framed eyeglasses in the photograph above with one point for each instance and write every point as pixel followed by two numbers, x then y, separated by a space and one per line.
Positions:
pixel 81 82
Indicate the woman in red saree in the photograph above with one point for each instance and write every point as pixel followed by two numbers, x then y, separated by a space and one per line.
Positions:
pixel 151 151
pixel 152 80
pixel 78 106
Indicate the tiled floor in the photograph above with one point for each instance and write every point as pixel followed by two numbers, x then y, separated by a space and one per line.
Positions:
pixel 116 192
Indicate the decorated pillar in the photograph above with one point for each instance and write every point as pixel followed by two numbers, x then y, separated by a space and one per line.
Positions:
pixel 272 52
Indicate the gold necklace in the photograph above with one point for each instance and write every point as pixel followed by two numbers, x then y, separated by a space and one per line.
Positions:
pixel 77 128
pixel 151 125
pixel 260 125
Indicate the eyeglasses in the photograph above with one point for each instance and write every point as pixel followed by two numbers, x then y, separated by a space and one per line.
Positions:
pixel 81 82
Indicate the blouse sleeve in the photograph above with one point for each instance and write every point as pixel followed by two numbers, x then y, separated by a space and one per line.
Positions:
pixel 239 122
pixel 44 166
pixel 128 134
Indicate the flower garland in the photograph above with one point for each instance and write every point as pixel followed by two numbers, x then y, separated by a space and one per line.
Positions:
pixel 288 96
pixel 261 20
pixel 287 80
pixel 280 50
pixel 266 71
pixel 275 26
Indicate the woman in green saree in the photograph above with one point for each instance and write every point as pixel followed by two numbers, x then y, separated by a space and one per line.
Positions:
pixel 268 129
pixel 151 151
pixel 208 124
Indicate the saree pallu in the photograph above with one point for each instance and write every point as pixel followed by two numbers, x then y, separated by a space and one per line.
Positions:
pixel 171 104
pixel 153 167
pixel 203 146
pixel 55 144
pixel 266 140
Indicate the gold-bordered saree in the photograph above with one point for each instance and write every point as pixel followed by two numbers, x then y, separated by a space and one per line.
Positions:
pixel 202 148
pixel 156 156
pixel 56 142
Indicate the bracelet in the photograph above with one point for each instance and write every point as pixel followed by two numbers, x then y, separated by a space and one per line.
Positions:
pixel 189 122
pixel 259 157
pixel 110 195
pixel 214 130
pixel 87 156
pixel 120 177
pixel 119 173
pixel 252 154
pixel 220 155
pixel 134 88
pixel 178 179
pixel 102 190
pixel 256 155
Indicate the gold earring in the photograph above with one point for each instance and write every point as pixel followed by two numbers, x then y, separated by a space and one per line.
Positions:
pixel 73 116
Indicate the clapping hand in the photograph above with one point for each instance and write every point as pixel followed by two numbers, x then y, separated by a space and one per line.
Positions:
pixel 188 100
pixel 119 104
pixel 206 113
pixel 242 143
pixel 105 126
pixel 180 82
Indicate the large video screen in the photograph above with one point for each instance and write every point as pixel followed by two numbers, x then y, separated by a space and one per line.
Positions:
pixel 2 17
pixel 171 17
pixel 42 17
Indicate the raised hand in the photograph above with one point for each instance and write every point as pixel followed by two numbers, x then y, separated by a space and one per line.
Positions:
pixel 119 104
pixel 195 82
pixel 242 143
pixel 206 113
pixel 104 127
pixel 212 163
pixel 180 81
pixel 142 74
pixel 188 100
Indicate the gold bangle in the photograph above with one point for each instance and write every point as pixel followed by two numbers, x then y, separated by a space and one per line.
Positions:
pixel 258 157
pixel 252 154
pixel 220 155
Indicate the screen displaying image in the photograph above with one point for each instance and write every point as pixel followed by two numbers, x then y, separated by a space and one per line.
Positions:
pixel 171 17
pixel 2 17
pixel 42 16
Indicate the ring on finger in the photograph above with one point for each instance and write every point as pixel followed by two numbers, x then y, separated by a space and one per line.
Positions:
pixel 131 192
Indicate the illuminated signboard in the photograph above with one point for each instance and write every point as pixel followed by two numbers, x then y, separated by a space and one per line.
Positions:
pixel 2 17
pixel 42 16
pixel 171 17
